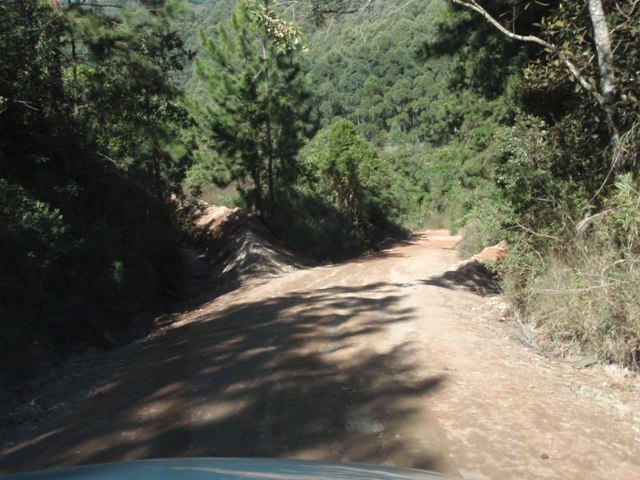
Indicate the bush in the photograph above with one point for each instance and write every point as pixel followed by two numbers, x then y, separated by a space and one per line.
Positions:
pixel 311 225
pixel 33 233
pixel 590 304
pixel 346 199
pixel 587 300
pixel 483 223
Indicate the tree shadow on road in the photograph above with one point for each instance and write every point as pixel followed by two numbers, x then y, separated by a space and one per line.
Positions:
pixel 471 276
pixel 270 378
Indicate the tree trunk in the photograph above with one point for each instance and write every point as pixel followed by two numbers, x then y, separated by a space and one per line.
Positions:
pixel 603 49
pixel 608 86
pixel 74 70
pixel 269 133
pixel 257 192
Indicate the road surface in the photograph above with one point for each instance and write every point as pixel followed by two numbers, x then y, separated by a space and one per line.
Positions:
pixel 386 359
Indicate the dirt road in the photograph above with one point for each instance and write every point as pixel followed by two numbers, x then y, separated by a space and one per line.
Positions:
pixel 385 360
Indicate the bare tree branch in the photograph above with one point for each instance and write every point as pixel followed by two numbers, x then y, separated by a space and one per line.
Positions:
pixel 473 5
pixel 24 103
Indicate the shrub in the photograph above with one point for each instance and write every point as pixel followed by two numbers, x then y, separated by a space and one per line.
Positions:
pixel 33 233
pixel 483 223
pixel 346 200
pixel 590 304
pixel 588 300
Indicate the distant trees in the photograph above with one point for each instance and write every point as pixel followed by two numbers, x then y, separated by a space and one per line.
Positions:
pixel 381 71
pixel 256 114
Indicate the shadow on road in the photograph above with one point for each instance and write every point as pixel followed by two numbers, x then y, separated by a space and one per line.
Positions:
pixel 270 378
pixel 213 285
pixel 472 277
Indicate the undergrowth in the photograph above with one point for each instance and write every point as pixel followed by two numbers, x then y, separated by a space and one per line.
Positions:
pixel 575 284
pixel 589 304
pixel 578 288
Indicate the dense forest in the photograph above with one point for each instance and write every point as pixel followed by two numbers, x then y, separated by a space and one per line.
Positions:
pixel 342 125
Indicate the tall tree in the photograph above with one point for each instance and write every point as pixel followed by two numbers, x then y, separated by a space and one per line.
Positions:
pixel 120 81
pixel 256 115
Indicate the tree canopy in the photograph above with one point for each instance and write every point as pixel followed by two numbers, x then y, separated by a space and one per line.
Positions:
pixel 90 161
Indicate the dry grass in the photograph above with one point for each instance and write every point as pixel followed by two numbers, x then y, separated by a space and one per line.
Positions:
pixel 222 196
pixel 585 300
pixel 589 305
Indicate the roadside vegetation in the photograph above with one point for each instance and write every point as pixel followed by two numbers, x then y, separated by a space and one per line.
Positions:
pixel 341 127
pixel 565 189
pixel 535 142
pixel 91 162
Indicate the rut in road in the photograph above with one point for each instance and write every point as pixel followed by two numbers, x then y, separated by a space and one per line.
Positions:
pixel 388 359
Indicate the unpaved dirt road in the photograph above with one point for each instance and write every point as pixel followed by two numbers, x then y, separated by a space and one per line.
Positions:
pixel 385 360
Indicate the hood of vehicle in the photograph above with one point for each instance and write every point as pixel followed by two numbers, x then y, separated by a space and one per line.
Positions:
pixel 228 469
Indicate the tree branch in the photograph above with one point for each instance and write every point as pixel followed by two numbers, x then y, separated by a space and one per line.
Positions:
pixel 473 5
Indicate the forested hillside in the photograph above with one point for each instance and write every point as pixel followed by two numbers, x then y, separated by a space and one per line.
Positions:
pixel 342 125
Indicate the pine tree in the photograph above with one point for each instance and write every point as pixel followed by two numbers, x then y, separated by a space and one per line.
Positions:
pixel 120 80
pixel 256 115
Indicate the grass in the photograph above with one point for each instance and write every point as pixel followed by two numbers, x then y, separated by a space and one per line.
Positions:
pixel 589 304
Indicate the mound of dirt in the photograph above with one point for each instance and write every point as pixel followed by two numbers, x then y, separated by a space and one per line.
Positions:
pixel 475 274
pixel 238 245
pixel 471 275
pixel 494 253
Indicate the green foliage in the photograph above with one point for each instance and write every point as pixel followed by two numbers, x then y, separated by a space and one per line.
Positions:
pixel 411 185
pixel 484 58
pixel 379 73
pixel 554 169
pixel 483 222
pixel 353 171
pixel 568 24
pixel 546 189
pixel 90 156
pixel 255 117
pixel 347 198
pixel 618 226
pixel 587 300
pixel 34 232
pixel 124 95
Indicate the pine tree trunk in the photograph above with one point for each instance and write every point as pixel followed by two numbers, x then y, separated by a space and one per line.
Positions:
pixel 257 194
pixel 74 70
pixel 269 134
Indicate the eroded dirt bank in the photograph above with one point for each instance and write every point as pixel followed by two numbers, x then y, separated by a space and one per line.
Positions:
pixel 386 359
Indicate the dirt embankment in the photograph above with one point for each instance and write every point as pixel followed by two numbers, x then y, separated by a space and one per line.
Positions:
pixel 234 247
pixel 397 358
